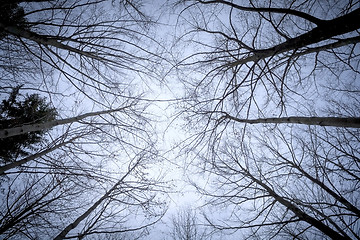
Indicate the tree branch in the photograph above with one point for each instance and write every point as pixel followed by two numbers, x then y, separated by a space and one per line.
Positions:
pixel 9 132
pixel 293 12
pixel 320 121
pixel 332 28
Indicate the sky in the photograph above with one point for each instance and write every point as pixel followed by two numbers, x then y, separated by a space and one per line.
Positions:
pixel 162 87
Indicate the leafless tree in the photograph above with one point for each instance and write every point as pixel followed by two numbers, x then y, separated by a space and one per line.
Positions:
pixel 185 226
pixel 91 155
pixel 254 59
pixel 278 65
pixel 281 183
pixel 89 179
pixel 321 121
pixel 89 46
pixel 31 204
pixel 36 210
pixel 110 213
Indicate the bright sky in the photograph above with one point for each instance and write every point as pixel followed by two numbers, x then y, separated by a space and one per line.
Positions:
pixel 162 88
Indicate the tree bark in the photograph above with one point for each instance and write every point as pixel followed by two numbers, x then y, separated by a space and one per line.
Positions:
pixel 9 132
pixel 320 121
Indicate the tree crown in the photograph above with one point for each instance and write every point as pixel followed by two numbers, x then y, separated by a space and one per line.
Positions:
pixel 15 112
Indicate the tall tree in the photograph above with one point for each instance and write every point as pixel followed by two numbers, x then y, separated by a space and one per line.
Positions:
pixel 321 121
pixel 132 195
pixel 301 184
pixel 266 62
pixel 84 56
pixel 84 48
pixel 260 60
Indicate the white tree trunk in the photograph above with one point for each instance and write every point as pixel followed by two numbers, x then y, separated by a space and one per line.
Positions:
pixel 45 40
pixel 12 165
pixel 9 132
pixel 320 121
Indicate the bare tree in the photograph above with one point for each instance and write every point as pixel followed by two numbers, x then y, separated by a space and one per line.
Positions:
pixel 186 226
pixel 57 189
pixel 80 42
pixel 273 63
pixel 91 155
pixel 302 184
pixel 321 121
pixel 91 170
pixel 30 206
pixel 121 192
pixel 261 60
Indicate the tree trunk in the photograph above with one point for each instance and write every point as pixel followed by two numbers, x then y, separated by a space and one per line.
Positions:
pixel 74 224
pixel 5 133
pixel 47 40
pixel 331 28
pixel 287 11
pixel 320 121
pixel 12 165
pixel 339 198
pixel 298 212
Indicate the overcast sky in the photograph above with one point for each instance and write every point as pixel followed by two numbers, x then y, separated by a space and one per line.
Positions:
pixel 179 78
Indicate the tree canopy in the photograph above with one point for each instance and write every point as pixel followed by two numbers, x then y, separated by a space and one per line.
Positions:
pixel 125 110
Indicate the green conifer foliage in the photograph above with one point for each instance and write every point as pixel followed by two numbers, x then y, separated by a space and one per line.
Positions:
pixel 13 113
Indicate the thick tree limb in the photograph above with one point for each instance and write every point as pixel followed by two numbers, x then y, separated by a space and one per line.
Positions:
pixel 303 15
pixel 298 212
pixel 9 132
pixel 337 44
pixel 12 165
pixel 48 41
pixel 338 197
pixel 74 224
pixel 320 121
pixel 338 26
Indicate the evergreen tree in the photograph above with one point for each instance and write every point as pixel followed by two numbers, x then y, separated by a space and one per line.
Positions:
pixel 11 15
pixel 14 112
